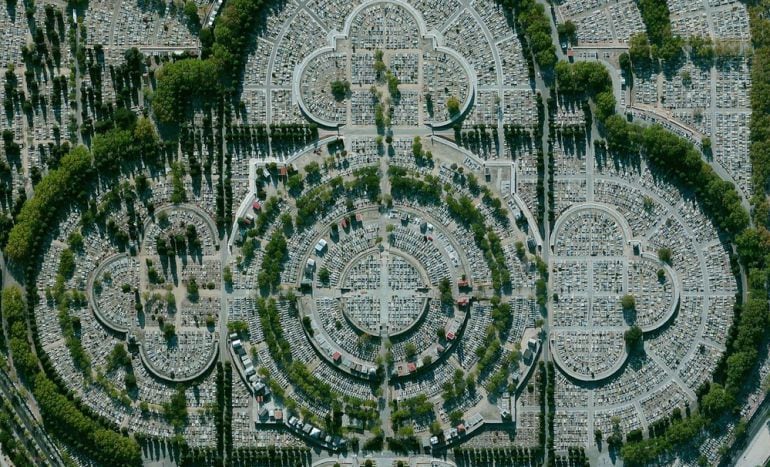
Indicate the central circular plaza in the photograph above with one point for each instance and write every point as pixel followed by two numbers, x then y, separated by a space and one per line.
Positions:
pixel 384 292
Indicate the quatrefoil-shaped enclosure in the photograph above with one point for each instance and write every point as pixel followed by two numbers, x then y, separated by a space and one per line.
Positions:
pixel 429 74
pixel 595 264
pixel 143 293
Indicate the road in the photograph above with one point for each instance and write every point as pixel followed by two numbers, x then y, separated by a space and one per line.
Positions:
pixel 40 440
pixel 11 392
pixel 758 433
pixel 758 450
pixel 383 459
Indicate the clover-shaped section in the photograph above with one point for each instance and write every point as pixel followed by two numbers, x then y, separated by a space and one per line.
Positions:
pixel 603 284
pixel 166 297
pixel 384 67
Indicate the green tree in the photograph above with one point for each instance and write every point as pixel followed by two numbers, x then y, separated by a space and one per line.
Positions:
pixel 340 89
pixel 605 104
pixel 118 357
pixel 323 275
pixel 445 291
pixel 238 326
pixel 567 30
pixel 717 401
pixel 701 49
pixel 227 276
pixel 633 337
pixel 192 289
pixel 664 254
pixel 75 241
pixel 294 184
pixel 639 48
pixel 706 145
pixel 66 264
pixel 191 11
pixel 411 350
pixel 393 83
pixel 455 417
pixel 175 410
pixel 169 331
pixel 453 106
pixel 170 299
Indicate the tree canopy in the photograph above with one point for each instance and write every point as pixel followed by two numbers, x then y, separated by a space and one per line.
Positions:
pixel 54 192
pixel 340 89
pixel 60 414
pixel 534 22
pixel 656 17
pixel 633 337
pixel 180 83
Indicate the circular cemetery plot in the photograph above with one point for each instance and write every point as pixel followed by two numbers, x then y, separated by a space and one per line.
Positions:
pixel 384 292
pixel 113 297
pixel 376 276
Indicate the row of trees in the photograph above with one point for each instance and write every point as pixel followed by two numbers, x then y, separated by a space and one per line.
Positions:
pixel 465 213
pixel 681 163
pixel 64 418
pixel 68 323
pixel 759 150
pixel 509 455
pixel 664 44
pixel 304 382
pixel 533 20
pixel 219 411
pixel 679 431
pixel 60 414
pixel 13 310
pixel 11 428
pixel 272 262
pixel 227 412
pixel 180 83
pixel 551 401
pixel 53 195
pixel 264 456
pixel 488 352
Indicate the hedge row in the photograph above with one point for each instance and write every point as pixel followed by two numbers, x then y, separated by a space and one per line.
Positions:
pixel 181 82
pixel 53 194
pixel 60 414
